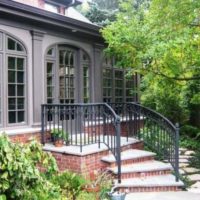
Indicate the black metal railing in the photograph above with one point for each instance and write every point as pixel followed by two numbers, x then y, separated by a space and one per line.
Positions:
pixel 83 124
pixel 157 132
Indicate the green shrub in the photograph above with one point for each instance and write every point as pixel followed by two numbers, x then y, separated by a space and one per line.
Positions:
pixel 20 179
pixel 190 137
pixel 86 196
pixel 190 131
pixel 70 183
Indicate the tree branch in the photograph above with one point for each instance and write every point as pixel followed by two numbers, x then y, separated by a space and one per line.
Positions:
pixel 177 78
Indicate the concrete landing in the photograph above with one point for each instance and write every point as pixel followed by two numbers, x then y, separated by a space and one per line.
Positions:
pixel 163 196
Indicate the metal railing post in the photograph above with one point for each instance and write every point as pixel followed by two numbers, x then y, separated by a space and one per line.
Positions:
pixel 118 128
pixel 177 152
pixel 42 123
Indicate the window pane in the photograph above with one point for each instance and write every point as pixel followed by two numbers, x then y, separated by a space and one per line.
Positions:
pixel 11 77
pixel 49 68
pixel 11 62
pixel 12 117
pixel 50 52
pixel 20 103
pixel 20 90
pixel 11 104
pixel 11 90
pixel 11 44
pixel 19 47
pixel 20 63
pixel 20 77
pixel 49 81
pixel 20 116
pixel 49 92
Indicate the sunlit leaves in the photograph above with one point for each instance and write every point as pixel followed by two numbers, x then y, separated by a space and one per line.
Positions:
pixel 161 37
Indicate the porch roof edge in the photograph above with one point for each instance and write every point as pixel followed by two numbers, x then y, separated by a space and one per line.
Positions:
pixel 39 16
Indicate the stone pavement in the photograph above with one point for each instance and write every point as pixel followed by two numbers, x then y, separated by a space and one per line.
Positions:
pixel 192 174
pixel 163 196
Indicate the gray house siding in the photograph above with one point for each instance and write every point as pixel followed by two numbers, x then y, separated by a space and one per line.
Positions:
pixel 37 31
pixel 37 41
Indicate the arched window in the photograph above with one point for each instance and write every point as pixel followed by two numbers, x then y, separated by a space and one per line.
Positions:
pixel 13 82
pixel 67 75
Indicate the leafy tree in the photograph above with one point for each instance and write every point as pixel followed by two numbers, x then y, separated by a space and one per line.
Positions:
pixel 100 12
pixel 161 37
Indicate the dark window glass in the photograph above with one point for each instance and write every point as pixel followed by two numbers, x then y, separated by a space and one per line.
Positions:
pixel 12 117
pixel 11 62
pixel 49 68
pixel 20 77
pixel 11 103
pixel 11 90
pixel 49 81
pixel 11 44
pixel 20 103
pixel 20 90
pixel 20 63
pixel 20 116
pixel 50 52
pixel 19 47
pixel 49 92
pixel 11 77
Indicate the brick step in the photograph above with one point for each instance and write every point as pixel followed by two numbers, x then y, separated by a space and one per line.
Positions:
pixel 149 168
pixel 150 184
pixel 129 157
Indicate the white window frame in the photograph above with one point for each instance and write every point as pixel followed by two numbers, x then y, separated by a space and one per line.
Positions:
pixel 25 91
pixel 4 54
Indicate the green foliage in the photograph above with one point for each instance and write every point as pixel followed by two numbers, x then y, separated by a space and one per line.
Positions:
pixel 70 183
pixel 86 196
pixel 3 197
pixel 59 134
pixel 166 97
pixel 144 38
pixel 190 131
pixel 101 12
pixel 20 178
pixel 190 137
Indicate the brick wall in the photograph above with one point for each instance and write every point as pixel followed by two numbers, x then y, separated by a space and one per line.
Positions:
pixel 84 165
pixel 87 164
pixel 26 137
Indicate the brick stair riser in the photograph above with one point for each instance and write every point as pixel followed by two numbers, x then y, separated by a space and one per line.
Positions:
pixel 132 161
pixel 142 174
pixel 139 145
pixel 149 189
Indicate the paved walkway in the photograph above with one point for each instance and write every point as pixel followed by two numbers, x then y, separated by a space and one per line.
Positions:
pixel 191 173
pixel 163 196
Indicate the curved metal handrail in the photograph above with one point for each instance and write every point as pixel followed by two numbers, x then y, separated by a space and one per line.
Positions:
pixel 159 133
